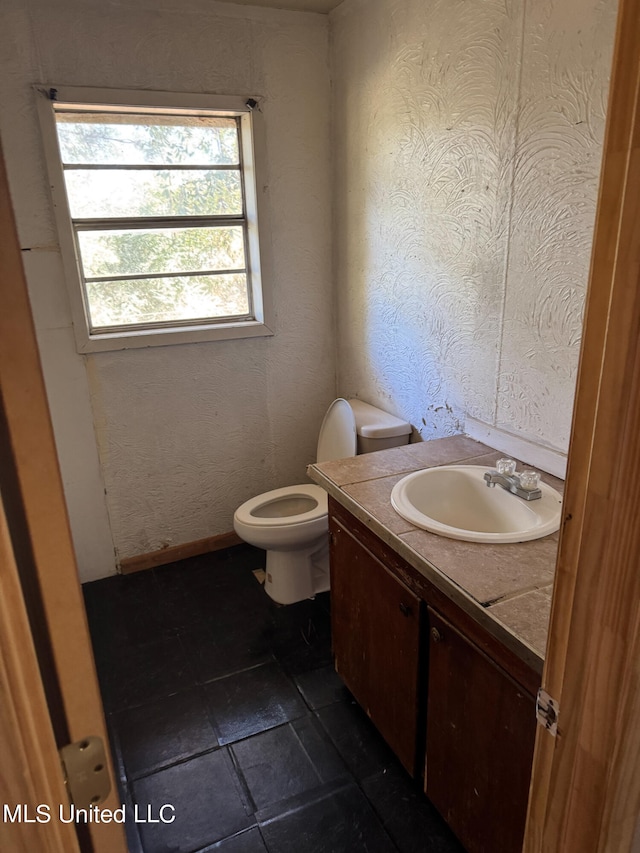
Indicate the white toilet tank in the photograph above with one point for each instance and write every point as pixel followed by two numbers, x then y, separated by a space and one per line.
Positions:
pixel 378 430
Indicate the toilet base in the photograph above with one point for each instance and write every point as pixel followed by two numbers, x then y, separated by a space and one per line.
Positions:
pixel 293 576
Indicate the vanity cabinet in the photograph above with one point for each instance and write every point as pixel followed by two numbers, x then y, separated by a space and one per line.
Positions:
pixel 375 622
pixel 480 736
pixel 449 698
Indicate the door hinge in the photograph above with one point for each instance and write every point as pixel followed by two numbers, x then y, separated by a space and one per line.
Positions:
pixel 86 772
pixel 547 712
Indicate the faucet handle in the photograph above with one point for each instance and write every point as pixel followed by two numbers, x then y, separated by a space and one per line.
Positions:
pixel 529 480
pixel 507 467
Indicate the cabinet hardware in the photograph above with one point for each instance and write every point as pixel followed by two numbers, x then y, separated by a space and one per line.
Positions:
pixel 405 609
pixel 436 636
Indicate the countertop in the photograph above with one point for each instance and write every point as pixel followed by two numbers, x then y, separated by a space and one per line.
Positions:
pixel 506 588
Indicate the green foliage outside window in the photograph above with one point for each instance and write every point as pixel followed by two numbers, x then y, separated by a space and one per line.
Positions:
pixel 178 168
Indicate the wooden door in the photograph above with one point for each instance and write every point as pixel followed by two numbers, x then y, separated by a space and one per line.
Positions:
pixel 375 623
pixel 30 770
pixel 480 736
pixel 586 780
pixel 47 621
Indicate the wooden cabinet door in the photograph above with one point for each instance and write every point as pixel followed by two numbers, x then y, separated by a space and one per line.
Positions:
pixel 480 735
pixel 376 638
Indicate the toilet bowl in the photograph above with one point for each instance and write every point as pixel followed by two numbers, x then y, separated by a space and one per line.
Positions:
pixel 291 523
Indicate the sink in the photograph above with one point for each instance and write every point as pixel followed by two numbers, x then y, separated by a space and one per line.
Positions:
pixel 455 501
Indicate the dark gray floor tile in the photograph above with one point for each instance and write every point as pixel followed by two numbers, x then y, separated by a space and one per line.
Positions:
pixel 354 736
pixel 181 591
pixel 322 687
pixel 145 672
pixel 275 766
pixel 339 821
pixel 211 587
pixel 207 798
pixel 252 701
pixel 116 749
pixel 247 842
pixel 134 842
pixel 214 570
pixel 123 611
pixel 409 818
pixel 216 649
pixel 319 748
pixel 287 761
pixel 163 732
pixel 301 638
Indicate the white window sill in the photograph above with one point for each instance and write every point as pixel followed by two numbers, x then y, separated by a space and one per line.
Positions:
pixel 166 337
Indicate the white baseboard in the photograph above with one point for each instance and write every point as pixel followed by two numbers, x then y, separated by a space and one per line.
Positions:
pixel 537 455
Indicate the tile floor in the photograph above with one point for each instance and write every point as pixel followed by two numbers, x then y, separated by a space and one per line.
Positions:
pixel 226 706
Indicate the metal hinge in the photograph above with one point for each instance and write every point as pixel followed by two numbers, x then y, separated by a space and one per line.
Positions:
pixel 86 772
pixel 547 712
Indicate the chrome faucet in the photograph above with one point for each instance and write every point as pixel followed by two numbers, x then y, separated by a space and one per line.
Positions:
pixel 524 484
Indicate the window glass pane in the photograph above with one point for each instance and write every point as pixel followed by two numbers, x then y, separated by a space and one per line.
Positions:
pixel 157 140
pixel 166 300
pixel 143 251
pixel 127 192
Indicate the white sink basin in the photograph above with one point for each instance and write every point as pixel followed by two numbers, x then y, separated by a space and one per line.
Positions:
pixel 455 501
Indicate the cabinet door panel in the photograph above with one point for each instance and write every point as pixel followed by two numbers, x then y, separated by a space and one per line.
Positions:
pixel 480 736
pixel 376 636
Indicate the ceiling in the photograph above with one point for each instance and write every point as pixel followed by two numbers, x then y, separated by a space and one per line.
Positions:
pixel 295 5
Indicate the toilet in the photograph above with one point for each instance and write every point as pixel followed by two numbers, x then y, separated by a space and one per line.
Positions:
pixel 291 524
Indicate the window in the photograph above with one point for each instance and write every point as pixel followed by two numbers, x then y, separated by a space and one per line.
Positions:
pixel 157 209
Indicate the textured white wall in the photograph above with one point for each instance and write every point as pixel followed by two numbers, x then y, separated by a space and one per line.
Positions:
pixel 185 433
pixel 468 137
pixel 467 141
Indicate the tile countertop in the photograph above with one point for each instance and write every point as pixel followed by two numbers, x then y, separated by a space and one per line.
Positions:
pixel 506 588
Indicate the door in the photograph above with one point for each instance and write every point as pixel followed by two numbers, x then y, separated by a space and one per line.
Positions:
pixel 47 672
pixel 375 625
pixel 30 763
pixel 585 794
pixel 480 733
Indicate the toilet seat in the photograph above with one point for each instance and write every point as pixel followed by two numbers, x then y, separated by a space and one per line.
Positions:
pixel 284 507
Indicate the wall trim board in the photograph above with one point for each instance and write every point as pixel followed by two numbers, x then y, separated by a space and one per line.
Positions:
pixel 546 458
pixel 140 562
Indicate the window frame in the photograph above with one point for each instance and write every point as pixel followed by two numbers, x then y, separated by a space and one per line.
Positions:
pixel 253 176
